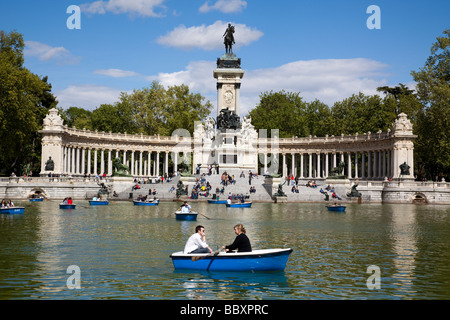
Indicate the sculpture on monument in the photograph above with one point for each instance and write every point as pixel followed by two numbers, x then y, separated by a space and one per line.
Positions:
pixel 121 169
pixel 50 164
pixel 354 193
pixel 336 172
pixel 181 190
pixel 404 169
pixel 229 38
pixel 104 191
pixel 280 192
pixel 228 119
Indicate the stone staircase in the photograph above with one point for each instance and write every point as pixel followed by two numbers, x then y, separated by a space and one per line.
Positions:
pixel 264 192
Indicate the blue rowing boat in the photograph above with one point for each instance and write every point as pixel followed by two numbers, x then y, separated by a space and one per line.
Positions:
pixel 257 260
pixel 12 210
pixel 217 201
pixel 145 203
pixel 36 199
pixel 190 216
pixel 98 202
pixel 336 208
pixel 67 206
pixel 240 205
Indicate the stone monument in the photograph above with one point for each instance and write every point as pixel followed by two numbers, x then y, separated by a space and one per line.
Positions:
pixel 52 156
pixel 226 140
pixel 403 149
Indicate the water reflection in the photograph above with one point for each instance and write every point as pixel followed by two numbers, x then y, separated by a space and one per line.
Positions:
pixel 226 285
pixel 123 252
pixel 404 246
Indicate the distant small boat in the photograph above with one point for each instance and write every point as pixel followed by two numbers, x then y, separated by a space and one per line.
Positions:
pixel 67 206
pixel 257 260
pixel 336 208
pixel 146 203
pixel 191 216
pixel 12 210
pixel 240 205
pixel 98 202
pixel 217 201
pixel 36 199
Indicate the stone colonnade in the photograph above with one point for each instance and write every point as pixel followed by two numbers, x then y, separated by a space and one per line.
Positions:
pixel 375 164
pixel 79 160
pixel 365 156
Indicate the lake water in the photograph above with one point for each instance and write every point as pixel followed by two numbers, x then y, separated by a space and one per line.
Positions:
pixel 122 252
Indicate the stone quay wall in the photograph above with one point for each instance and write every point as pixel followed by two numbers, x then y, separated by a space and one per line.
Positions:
pixel 402 192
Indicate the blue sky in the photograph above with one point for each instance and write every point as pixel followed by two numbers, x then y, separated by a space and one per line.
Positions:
pixel 322 49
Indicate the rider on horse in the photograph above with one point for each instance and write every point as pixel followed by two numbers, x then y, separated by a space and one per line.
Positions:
pixel 229 38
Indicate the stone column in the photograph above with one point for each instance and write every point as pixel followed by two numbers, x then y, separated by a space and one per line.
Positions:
pixel 83 161
pixel 166 163
pixel 88 162
pixel 349 165
pixel 110 162
pixel 175 162
pixel 141 153
pixel 95 162
pixel 102 161
pixel 319 173
pixel 363 165
pixel 310 165
pixel 157 164
pixel 302 165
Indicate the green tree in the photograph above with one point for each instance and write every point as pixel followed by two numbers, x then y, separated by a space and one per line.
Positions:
pixel 77 117
pixel 360 114
pixel 279 110
pixel 25 99
pixel 433 89
pixel 152 110
pixel 402 99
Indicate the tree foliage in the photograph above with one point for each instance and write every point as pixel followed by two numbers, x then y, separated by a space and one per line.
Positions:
pixel 433 89
pixel 150 111
pixel 25 99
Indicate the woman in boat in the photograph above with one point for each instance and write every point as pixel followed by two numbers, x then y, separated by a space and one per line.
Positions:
pixel 241 243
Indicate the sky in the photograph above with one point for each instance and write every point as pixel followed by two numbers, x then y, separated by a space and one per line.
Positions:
pixel 324 49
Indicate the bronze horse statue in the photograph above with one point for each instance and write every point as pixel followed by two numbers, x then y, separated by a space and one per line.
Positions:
pixel 229 39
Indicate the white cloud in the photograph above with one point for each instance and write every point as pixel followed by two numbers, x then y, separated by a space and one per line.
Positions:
pixel 328 80
pixel 208 37
pixel 45 52
pixel 225 6
pixel 117 73
pixel 146 8
pixel 86 96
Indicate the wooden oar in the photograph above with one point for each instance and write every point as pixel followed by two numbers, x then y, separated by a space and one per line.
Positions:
pixel 204 216
pixel 213 254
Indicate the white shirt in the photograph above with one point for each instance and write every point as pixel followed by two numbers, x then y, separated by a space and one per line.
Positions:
pixel 194 242
pixel 186 209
